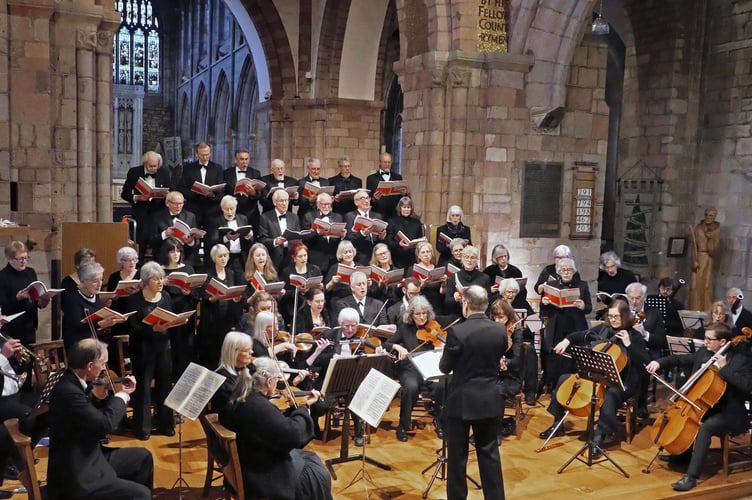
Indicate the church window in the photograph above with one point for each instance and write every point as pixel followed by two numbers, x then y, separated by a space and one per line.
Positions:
pixel 136 58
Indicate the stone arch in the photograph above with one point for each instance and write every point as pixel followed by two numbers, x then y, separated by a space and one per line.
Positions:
pixel 222 123
pixel 330 47
pixel 201 114
pixel 184 118
pixel 247 93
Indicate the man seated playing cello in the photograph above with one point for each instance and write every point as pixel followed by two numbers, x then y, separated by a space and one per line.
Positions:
pixel 729 414
pixel 616 331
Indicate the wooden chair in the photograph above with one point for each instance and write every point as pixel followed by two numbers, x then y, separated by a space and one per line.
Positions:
pixel 122 342
pixel 629 410
pixel 232 471
pixel 52 358
pixel 28 476
pixel 736 451
pixel 214 463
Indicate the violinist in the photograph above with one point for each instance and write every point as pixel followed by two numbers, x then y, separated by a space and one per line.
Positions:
pixel 265 338
pixel 616 331
pixel 510 379
pixel 729 414
pixel 669 306
pixel 270 442
pixel 419 319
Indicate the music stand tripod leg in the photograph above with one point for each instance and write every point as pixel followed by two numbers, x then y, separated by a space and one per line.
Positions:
pixel 180 481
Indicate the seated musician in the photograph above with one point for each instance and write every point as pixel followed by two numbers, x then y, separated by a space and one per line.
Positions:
pixel 270 442
pixel 666 302
pixel 418 316
pixel 508 289
pixel 729 414
pixel 236 355
pixel 617 329
pixel 396 312
pixel 718 312
pixel 510 376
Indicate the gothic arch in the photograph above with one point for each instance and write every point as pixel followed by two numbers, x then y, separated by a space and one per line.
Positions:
pixel 184 118
pixel 222 125
pixel 201 123
pixel 247 92
pixel 330 47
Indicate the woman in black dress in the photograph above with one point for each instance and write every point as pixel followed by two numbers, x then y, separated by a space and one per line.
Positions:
pixel 454 228
pixel 127 260
pixel 314 313
pixel 81 257
pixel 334 287
pixel 300 267
pixel 468 275
pixel 410 225
pixel 434 291
pixel 378 289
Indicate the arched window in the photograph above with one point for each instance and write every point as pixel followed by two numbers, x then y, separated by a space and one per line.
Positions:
pixel 136 58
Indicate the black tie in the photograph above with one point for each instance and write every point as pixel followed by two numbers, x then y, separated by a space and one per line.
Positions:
pixel 384 173
pixel 361 307
pixel 149 176
pixel 282 217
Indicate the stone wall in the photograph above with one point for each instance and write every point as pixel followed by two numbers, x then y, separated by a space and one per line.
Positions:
pixel 159 122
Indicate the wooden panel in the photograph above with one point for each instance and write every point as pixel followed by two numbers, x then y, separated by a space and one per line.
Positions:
pixel 105 238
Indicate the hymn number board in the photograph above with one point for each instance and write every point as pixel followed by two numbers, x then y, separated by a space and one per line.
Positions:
pixel 583 191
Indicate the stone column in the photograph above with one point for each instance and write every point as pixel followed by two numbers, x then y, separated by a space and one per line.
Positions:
pixel 103 157
pixel 86 43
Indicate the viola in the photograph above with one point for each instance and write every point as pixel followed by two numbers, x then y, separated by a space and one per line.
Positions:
pixel 431 333
pixel 292 398
pixel 285 368
pixel 303 341
pixel 368 345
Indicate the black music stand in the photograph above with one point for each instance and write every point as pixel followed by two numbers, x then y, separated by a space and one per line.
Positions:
pixel 427 364
pixel 343 377
pixel 600 368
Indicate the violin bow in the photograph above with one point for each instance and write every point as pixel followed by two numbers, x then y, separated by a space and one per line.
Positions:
pixel 93 331
pixel 443 329
pixel 368 330
pixel 273 354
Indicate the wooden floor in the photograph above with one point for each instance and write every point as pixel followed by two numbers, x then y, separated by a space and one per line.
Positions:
pixel 526 474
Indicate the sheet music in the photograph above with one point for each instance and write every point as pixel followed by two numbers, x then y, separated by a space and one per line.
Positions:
pixel 193 390
pixel 372 398
pixel 692 319
pixel 678 346
pixel 427 363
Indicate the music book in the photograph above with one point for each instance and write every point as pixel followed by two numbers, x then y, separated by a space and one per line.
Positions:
pixel 520 281
pixel 390 188
pixel 348 194
pixel 11 317
pixel 291 235
pixel 241 231
pixel 375 225
pixel 387 277
pixel 427 364
pixel 607 298
pixel 382 332
pixel 206 190
pixel 106 313
pixel 182 231
pixel 161 316
pixel 146 189
pixel 561 297
pixel 38 290
pixel 435 275
pixel 458 286
pixel 218 289
pixel 249 187
pixel 127 287
pixel 193 390
pixel 451 269
pixel 333 229
pixel 310 190
pixel 273 288
pixel 185 281
pixel 692 319
pixel 402 237
pixel 373 397
pixel 344 271
pixel 446 240
pixel 290 190
pixel 305 284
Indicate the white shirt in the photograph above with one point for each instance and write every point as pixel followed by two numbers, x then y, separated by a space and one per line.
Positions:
pixel 10 384
pixel 234 244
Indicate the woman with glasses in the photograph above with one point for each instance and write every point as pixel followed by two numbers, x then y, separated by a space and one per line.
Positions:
pixel 127 261
pixel 562 320
pixel 378 289
pixel 435 291
pixel 270 442
pixel 468 275
pixel 453 229
pixel 501 268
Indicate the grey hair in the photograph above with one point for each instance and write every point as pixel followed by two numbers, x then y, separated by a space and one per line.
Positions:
pixel 151 270
pixel 610 255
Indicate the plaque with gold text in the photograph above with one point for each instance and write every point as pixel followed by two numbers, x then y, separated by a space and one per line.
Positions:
pixel 493 25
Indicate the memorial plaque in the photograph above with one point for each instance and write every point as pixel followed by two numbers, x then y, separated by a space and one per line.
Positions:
pixel 541 200
pixel 493 25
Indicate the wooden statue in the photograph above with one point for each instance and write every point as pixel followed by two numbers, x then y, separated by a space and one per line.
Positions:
pixel 706 236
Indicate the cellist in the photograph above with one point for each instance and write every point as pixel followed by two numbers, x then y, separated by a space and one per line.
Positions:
pixel 619 331
pixel 729 414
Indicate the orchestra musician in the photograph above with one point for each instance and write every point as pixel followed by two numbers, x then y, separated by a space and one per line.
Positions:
pixel 729 414
pixel 669 306
pixel 618 331
pixel 510 374
pixel 612 278
pixel 740 316
pixel 270 442
pixel 718 313
pixel 237 354
pixel 396 312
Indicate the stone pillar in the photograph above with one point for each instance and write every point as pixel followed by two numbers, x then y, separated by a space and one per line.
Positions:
pixel 86 42
pixel 104 143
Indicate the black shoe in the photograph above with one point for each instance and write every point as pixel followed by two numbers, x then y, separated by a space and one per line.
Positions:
pixel 11 473
pixel 530 400
pixel 401 434
pixel 143 436
pixel 472 440
pixel 438 428
pixel 6 494
pixel 545 434
pixel 642 412
pixel 358 440
pixel 666 458
pixel 596 446
pixel 167 432
pixel 685 484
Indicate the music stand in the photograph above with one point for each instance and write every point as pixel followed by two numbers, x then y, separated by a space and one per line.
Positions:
pixel 600 368
pixel 427 364
pixel 692 319
pixel 343 377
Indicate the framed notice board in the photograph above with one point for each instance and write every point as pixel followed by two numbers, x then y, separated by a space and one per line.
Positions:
pixel 541 200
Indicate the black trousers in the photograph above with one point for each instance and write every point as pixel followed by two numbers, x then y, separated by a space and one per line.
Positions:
pixel 135 470
pixel 487 451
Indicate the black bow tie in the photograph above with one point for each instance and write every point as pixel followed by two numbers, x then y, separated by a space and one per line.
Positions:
pixel 150 176
pixel 241 171
pixel 314 179
pixel 385 172
pixel 282 217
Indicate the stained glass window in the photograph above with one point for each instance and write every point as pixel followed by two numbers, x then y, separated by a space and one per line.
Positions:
pixel 136 60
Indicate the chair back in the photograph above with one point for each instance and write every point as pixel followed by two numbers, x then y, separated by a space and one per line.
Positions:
pixel 226 441
pixel 28 475
pixel 52 358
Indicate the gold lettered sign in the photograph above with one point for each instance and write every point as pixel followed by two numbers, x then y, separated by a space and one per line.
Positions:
pixel 493 23
pixel 583 191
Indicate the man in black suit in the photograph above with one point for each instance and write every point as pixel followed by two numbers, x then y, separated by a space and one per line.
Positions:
pixel 322 250
pixel 740 316
pixel 363 240
pixel 162 227
pixel 247 205
pixel 387 205
pixel 79 466
pixel 368 308
pixel 143 207
pixel 206 172
pixel 472 353
pixel 277 178
pixel 410 288
pixel 236 244
pixel 306 204
pixel 729 414
pixel 344 181
pixel 273 225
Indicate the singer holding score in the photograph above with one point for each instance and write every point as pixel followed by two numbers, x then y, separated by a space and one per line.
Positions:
pixel 616 331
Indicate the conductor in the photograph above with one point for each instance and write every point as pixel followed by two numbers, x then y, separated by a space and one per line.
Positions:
pixel 473 350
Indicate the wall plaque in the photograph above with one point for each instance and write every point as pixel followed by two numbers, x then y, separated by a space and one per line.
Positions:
pixel 492 27
pixel 541 200
pixel 583 196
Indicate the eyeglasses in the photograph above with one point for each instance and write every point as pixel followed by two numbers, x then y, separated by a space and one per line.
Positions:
pixel 708 339
pixel 613 316
pixel 21 259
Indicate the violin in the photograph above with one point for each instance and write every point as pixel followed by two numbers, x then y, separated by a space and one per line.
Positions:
pixel 431 333
pixel 639 318
pixel 368 345
pixel 285 368
pixel 303 341
pixel 290 397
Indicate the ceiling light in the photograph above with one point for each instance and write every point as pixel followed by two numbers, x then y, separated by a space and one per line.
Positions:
pixel 600 26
